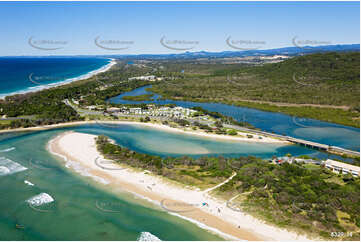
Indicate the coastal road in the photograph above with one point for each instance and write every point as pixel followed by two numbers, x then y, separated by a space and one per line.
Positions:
pixel 82 111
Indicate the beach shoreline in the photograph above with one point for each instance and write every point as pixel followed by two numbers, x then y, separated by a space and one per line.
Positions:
pixel 79 150
pixel 156 126
pixel 61 83
pixel 208 135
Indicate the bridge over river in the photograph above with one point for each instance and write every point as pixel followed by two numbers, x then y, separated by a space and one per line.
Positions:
pixel 310 144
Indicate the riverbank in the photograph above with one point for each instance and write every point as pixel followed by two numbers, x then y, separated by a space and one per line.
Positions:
pixel 255 138
pixel 79 150
pixel 61 83
pixel 243 137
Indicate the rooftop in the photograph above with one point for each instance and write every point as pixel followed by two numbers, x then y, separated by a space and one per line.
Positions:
pixel 342 165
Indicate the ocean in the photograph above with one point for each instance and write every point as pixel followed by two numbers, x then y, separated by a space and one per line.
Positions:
pixel 26 74
pixel 80 208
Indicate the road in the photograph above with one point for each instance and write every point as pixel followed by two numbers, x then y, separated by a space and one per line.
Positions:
pixel 297 141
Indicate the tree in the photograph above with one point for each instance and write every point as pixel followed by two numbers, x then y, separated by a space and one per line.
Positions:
pixel 232 132
pixel 219 124
pixel 182 122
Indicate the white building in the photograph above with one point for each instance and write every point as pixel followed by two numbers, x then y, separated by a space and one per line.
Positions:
pixel 113 110
pixel 135 110
pixel 177 114
pixel 145 78
pixel 338 167
pixel 91 107
pixel 308 161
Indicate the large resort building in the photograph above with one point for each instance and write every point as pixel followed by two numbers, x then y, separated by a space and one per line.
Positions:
pixel 343 168
pixel 335 166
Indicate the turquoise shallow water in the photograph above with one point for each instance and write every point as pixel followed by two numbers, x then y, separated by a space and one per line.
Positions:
pixel 81 210
pixel 157 142
pixel 78 210
pixel 303 128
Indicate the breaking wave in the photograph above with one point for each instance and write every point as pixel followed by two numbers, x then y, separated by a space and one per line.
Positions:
pixel 7 150
pixel 8 167
pixel 28 183
pixel 146 236
pixel 42 198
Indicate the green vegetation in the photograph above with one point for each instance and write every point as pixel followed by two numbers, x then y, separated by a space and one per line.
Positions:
pixel 182 122
pixel 322 86
pixel 332 115
pixel 308 198
pixel 221 117
pixel 145 97
pixel 48 106
pixel 328 81
pixel 201 172
pixel 145 120
pixel 232 132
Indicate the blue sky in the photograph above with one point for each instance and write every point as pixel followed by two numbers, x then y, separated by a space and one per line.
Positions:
pixel 139 26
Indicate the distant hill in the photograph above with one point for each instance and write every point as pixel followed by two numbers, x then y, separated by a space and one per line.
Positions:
pixel 314 69
pixel 291 51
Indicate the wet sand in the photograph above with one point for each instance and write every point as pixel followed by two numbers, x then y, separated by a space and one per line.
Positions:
pixel 80 149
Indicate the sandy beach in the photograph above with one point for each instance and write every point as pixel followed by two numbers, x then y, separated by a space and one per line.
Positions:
pixel 67 81
pixel 79 152
pixel 255 138
pixel 157 126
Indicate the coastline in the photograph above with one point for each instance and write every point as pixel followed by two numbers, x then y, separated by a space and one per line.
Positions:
pixel 200 133
pixel 102 69
pixel 152 125
pixel 79 150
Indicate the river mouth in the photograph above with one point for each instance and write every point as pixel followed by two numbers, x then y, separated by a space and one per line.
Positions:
pixel 307 129
pixel 79 208
pixel 153 141
pixel 81 201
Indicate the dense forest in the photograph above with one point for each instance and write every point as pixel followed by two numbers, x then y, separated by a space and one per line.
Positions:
pixel 299 197
pixel 324 86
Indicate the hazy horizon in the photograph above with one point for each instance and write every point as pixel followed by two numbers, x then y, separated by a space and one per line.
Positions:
pixel 133 28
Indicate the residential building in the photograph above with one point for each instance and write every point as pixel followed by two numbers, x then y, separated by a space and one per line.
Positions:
pixel 135 110
pixel 113 110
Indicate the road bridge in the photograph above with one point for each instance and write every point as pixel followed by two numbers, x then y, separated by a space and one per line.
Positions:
pixel 309 144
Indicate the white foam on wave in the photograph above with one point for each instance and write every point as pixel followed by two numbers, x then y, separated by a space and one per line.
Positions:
pixel 7 150
pixel 4 170
pixel 28 183
pixel 146 236
pixel 47 86
pixel 8 167
pixel 42 198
